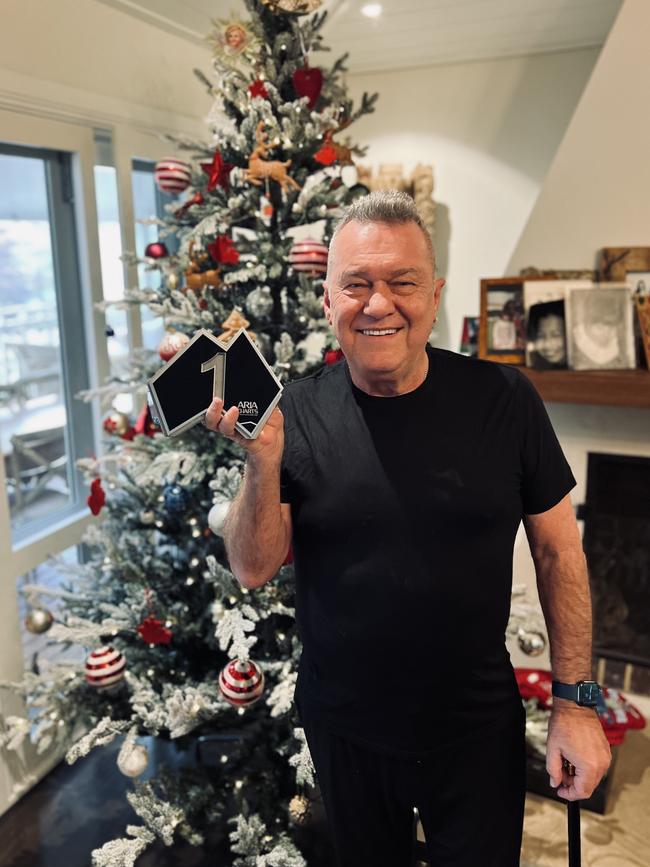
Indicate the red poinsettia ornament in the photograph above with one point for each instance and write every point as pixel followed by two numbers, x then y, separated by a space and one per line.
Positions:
pixel 217 172
pixel 153 632
pixel 257 88
pixel 308 82
pixel 223 250
pixel 97 496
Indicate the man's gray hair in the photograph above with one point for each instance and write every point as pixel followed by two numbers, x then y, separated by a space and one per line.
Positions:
pixel 385 206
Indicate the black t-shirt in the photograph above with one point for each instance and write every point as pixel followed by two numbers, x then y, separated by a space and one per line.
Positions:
pixel 404 513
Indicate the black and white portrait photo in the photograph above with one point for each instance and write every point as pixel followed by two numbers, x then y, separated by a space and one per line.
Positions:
pixel 546 336
pixel 600 330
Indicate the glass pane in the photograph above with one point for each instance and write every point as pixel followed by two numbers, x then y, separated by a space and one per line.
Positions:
pixel 33 414
pixel 35 611
pixel 145 206
pixel 149 204
pixel 110 250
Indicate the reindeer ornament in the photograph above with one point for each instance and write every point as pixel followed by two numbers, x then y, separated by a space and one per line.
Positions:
pixel 260 169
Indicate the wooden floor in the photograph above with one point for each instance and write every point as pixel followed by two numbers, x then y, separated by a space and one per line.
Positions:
pixel 77 809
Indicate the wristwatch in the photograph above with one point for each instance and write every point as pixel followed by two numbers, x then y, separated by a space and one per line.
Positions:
pixel 585 692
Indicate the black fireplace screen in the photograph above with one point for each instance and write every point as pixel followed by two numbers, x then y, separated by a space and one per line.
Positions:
pixel 617 547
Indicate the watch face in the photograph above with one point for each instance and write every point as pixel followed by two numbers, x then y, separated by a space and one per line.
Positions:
pixel 588 692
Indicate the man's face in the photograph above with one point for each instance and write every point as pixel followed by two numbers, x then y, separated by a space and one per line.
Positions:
pixel 381 300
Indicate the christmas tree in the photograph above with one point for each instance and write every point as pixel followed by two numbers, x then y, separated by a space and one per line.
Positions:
pixel 176 648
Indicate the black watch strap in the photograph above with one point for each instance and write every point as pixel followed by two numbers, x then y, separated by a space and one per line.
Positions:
pixel 584 693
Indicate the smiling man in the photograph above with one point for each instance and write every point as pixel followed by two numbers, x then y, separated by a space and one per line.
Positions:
pixel 401 475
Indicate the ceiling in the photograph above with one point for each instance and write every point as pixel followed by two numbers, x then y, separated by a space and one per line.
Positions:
pixel 417 32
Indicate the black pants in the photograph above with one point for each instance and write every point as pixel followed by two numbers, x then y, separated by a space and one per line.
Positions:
pixel 470 799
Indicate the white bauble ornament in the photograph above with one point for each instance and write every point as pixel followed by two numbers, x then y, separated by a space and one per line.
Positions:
pixel 349 175
pixel 241 682
pixel 217 517
pixel 133 759
pixel 531 643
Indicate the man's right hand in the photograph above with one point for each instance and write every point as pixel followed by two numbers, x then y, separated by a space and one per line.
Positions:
pixel 267 446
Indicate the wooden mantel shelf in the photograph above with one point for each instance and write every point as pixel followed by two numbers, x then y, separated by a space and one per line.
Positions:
pixel 600 387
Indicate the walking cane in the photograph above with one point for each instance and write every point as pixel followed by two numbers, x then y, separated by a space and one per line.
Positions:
pixel 573 822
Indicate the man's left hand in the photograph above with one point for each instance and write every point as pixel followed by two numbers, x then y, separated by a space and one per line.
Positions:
pixel 575 734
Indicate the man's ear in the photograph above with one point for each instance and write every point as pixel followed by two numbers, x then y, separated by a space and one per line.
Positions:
pixel 327 307
pixel 438 286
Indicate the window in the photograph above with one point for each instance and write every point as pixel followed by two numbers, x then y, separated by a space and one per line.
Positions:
pixel 148 204
pixel 43 362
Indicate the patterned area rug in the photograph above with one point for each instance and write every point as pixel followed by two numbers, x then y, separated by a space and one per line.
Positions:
pixel 618 839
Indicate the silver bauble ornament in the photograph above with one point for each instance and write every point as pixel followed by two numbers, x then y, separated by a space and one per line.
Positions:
pixel 259 302
pixel 217 517
pixel 300 809
pixel 531 643
pixel 38 620
pixel 133 759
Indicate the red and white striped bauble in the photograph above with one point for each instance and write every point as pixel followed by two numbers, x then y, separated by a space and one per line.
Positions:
pixel 172 176
pixel 171 343
pixel 241 682
pixel 309 256
pixel 105 667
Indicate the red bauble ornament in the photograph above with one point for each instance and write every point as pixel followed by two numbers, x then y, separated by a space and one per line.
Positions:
pixel 171 343
pixel 145 424
pixel 326 155
pixel 156 250
pixel 223 250
pixel 196 199
pixel 105 667
pixel 97 497
pixel 153 632
pixel 241 682
pixel 218 172
pixel 308 82
pixel 333 355
pixel 257 88
pixel 309 256
pixel 288 560
pixel 172 176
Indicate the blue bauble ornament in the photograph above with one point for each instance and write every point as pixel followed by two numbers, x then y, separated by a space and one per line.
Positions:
pixel 176 499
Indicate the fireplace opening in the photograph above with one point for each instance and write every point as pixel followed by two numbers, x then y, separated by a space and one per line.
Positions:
pixel 616 542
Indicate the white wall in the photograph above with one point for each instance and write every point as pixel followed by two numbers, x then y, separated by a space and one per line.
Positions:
pixel 490 129
pixel 82 59
pixel 596 195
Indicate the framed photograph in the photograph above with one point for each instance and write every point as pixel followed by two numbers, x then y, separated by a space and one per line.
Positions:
pixel 544 312
pixel 469 336
pixel 600 327
pixel 632 265
pixel 546 336
pixel 502 333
